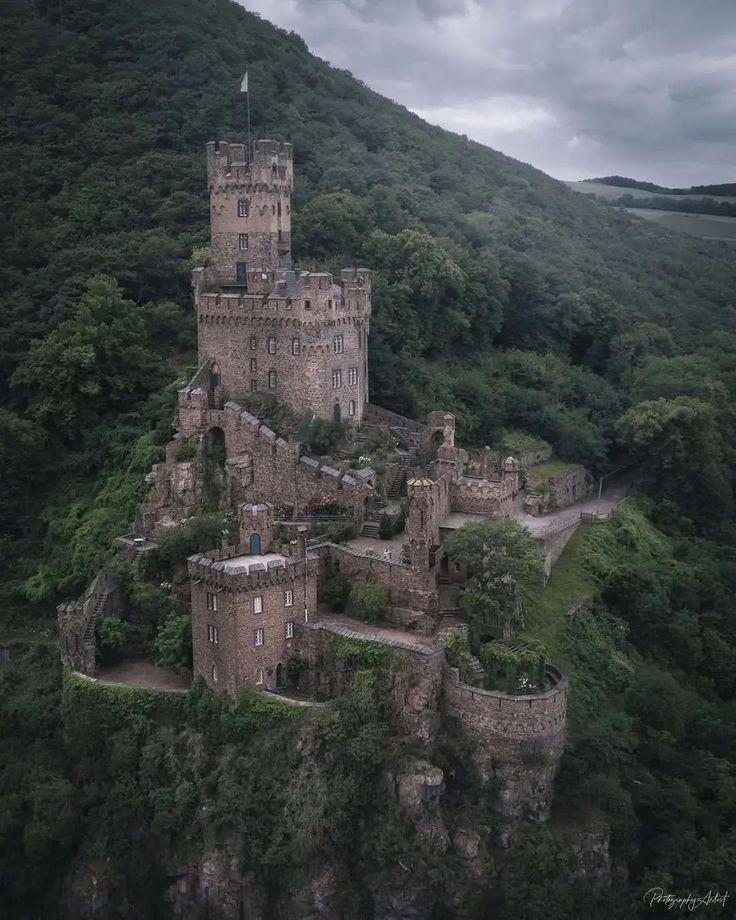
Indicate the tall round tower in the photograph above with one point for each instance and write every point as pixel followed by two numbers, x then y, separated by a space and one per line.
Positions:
pixel 250 212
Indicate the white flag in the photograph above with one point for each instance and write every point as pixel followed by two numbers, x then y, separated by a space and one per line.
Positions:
pixel 244 84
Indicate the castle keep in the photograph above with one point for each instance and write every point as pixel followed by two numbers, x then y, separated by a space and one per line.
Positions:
pixel 268 328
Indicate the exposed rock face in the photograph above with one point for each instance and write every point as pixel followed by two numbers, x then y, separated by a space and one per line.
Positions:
pixel 419 792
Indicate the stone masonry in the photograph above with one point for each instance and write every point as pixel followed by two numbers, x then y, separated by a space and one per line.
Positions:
pixel 298 335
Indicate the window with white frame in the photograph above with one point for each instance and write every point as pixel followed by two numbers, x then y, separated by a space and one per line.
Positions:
pixel 351 407
pixel 290 630
pixel 213 634
pixel 271 345
pixel 272 380
pixel 295 347
pixel 259 676
pixel 338 344
pixel 258 603
pixel 288 598
pixel 258 637
pixel 243 242
pixel 211 600
pixel 353 376
pixel 336 379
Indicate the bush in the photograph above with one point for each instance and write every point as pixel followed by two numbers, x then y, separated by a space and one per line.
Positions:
pixel 327 435
pixel 173 642
pixel 369 600
pixel 112 634
pixel 335 591
pixel 385 527
pixel 187 451
pixel 197 535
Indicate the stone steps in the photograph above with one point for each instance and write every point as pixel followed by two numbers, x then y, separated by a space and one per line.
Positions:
pixel 370 529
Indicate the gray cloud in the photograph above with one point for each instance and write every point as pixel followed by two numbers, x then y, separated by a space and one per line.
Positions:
pixel 576 87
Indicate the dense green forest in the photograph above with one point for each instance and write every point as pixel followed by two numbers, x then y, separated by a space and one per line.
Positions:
pixel 499 295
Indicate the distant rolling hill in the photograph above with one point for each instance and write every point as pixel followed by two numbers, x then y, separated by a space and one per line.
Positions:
pixel 692 212
pixel 723 189
pixel 610 192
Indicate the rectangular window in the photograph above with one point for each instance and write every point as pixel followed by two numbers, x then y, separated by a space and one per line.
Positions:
pixel 338 344
pixel 307 304
pixel 253 343
pixel 290 630
pixel 336 379
pixel 241 272
pixel 353 376
pixel 272 380
pixel 243 242
pixel 242 207
pixel 253 365
pixel 211 601
pixel 258 637
pixel 329 304
pixel 258 604
pixel 288 598
pixel 295 346
pixel 254 386
pixel 272 346
pixel 213 634
pixel 289 303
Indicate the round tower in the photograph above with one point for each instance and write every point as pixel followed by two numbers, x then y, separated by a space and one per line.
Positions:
pixel 250 212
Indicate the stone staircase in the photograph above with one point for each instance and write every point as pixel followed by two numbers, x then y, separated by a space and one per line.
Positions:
pixel 89 629
pixel 370 529
pixel 393 488
pixel 410 441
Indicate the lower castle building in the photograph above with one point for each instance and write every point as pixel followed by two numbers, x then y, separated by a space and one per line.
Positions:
pixel 246 603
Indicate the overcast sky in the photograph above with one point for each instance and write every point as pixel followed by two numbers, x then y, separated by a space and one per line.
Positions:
pixel 579 88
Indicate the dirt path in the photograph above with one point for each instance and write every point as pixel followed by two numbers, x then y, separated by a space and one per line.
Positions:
pixel 137 672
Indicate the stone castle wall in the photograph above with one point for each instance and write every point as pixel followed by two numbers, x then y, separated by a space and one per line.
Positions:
pixel 407 587
pixel 260 466
pixel 483 496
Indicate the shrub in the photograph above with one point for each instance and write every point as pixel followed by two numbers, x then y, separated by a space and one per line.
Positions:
pixel 369 600
pixel 334 591
pixel 173 642
pixel 112 634
pixel 326 435
pixel 385 527
pixel 187 451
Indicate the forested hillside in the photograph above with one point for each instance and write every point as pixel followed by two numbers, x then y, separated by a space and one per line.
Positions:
pixel 108 107
pixel 501 296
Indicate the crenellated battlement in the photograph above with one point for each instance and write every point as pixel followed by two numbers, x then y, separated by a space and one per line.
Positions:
pixel 270 166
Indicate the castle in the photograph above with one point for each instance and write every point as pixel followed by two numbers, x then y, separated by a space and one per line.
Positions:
pixel 302 337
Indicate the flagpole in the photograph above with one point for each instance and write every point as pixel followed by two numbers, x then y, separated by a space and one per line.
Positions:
pixel 244 88
pixel 250 143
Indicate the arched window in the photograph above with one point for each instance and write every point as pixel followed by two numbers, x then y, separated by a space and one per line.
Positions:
pixel 351 407
pixel 214 674
pixel 259 676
